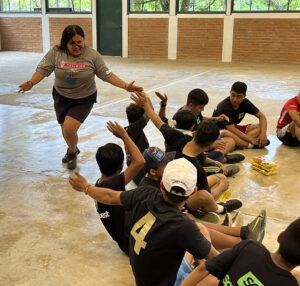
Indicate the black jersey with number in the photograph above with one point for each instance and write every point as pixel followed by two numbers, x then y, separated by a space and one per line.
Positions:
pixel 248 264
pixel 159 237
pixel 235 116
pixel 114 218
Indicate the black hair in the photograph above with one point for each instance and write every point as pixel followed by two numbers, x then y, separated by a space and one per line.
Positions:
pixel 185 119
pixel 207 133
pixel 289 246
pixel 133 112
pixel 197 96
pixel 239 87
pixel 110 158
pixel 68 33
pixel 174 198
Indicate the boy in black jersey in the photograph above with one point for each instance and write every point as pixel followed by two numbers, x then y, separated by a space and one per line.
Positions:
pixel 250 263
pixel 110 159
pixel 160 233
pixel 235 107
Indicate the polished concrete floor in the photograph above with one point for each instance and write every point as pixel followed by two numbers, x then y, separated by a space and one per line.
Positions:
pixel 50 234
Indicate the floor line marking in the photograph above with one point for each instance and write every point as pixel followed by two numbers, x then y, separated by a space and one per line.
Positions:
pixel 154 89
pixel 126 99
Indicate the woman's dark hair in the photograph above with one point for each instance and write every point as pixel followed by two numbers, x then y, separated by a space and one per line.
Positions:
pixel 110 158
pixel 68 33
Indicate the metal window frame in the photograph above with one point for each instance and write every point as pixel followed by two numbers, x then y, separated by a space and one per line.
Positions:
pixel 262 11
pixel 145 12
pixel 63 10
pixel 21 11
pixel 200 12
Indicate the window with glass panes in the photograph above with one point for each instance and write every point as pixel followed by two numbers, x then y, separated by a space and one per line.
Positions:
pixel 201 6
pixel 148 6
pixel 266 5
pixel 20 5
pixel 69 6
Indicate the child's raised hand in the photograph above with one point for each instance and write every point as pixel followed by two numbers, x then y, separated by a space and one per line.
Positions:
pixel 116 129
pixel 139 98
pixel 162 97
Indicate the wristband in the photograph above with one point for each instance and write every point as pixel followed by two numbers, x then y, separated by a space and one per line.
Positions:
pixel 162 104
pixel 29 81
pixel 87 189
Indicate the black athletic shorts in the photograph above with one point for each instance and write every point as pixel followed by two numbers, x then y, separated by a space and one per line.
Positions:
pixel 289 140
pixel 78 109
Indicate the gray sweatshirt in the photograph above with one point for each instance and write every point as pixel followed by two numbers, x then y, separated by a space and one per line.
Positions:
pixel 74 76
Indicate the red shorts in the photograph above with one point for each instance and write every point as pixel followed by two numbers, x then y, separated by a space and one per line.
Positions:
pixel 242 128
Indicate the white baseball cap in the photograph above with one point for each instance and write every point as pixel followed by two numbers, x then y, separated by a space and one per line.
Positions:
pixel 180 173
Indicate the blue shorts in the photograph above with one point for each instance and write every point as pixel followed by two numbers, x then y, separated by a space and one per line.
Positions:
pixel 184 270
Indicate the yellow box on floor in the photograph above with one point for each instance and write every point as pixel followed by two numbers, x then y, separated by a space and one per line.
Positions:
pixel 264 166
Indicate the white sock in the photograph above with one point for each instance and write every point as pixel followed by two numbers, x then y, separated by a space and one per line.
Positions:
pixel 220 209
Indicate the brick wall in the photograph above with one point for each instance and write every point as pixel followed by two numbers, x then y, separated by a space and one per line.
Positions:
pixel 200 38
pixel 266 40
pixel 21 34
pixel 148 38
pixel 57 25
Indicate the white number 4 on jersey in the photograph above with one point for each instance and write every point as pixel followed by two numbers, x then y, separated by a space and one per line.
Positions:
pixel 145 223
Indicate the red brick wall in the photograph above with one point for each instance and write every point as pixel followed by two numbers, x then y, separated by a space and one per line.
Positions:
pixel 21 34
pixel 148 38
pixel 200 38
pixel 266 40
pixel 57 25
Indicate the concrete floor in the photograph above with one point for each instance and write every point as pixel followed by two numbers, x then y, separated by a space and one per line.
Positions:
pixel 50 234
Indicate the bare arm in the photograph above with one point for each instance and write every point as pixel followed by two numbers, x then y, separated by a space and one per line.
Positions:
pixel 130 87
pixel 241 135
pixel 102 195
pixel 163 104
pixel 141 99
pixel 137 160
pixel 35 79
pixel 295 117
pixel 197 275
pixel 263 128
pixel 220 118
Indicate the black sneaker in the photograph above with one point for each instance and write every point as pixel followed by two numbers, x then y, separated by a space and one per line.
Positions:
pixel 256 229
pixel 234 158
pixel 72 161
pixel 232 170
pixel 210 217
pixel 65 159
pixel 230 205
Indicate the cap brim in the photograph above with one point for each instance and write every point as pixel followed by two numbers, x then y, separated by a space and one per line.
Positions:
pixel 169 156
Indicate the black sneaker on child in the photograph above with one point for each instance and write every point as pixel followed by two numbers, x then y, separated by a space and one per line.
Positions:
pixel 256 229
pixel 230 205
pixel 232 170
pixel 72 161
pixel 234 158
pixel 65 159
